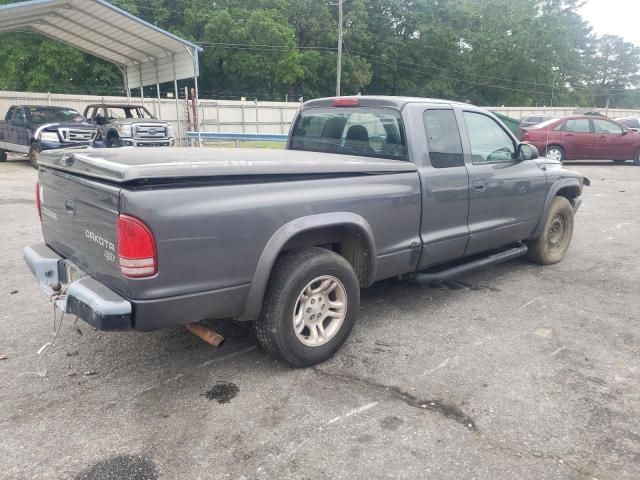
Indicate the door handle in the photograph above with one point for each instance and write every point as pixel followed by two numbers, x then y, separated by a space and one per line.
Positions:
pixel 70 207
pixel 568 134
pixel 479 185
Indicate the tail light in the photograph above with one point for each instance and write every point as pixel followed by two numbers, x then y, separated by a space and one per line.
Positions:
pixel 39 199
pixel 136 248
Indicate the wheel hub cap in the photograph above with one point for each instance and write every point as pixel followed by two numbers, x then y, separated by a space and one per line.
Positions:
pixel 320 311
pixel 556 231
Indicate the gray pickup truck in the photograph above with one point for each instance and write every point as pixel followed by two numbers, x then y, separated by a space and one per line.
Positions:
pixel 129 126
pixel 369 188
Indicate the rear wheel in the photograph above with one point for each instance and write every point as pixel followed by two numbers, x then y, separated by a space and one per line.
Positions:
pixel 555 152
pixel 556 236
pixel 619 162
pixel 310 306
pixel 34 155
pixel 636 158
pixel 3 155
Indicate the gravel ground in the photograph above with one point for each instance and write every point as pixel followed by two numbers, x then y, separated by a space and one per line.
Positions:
pixel 515 372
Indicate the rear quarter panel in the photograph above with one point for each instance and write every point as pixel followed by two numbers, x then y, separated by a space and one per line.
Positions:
pixel 212 237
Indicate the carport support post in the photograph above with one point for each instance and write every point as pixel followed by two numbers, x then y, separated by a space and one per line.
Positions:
pixel 126 84
pixel 175 92
pixel 197 99
pixel 141 87
pixel 158 90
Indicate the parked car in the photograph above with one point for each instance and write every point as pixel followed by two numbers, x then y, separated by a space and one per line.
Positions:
pixel 369 188
pixel 129 126
pixel 633 123
pixel 584 137
pixel 31 129
pixel 533 120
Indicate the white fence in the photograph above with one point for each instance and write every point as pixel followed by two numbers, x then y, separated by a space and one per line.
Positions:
pixel 216 115
pixel 236 116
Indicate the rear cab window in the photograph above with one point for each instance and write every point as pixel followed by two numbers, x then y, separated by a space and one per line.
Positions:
pixel 443 138
pixel 363 131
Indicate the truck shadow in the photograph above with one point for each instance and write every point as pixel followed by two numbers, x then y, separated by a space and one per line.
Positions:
pixel 173 355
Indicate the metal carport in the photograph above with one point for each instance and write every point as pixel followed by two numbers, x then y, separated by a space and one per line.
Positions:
pixel 144 53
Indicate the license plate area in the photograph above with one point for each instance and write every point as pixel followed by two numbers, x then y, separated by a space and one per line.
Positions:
pixel 69 272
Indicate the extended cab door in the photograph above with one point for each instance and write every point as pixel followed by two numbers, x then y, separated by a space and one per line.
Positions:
pixel 436 148
pixel 506 196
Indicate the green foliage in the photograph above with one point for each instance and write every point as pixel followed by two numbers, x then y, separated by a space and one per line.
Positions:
pixel 490 52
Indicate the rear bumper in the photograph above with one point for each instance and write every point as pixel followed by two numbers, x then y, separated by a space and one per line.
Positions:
pixel 84 297
pixel 98 305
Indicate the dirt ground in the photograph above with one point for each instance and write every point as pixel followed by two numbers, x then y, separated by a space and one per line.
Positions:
pixel 515 372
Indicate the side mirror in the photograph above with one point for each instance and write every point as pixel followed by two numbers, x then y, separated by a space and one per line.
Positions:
pixel 526 151
pixel 624 132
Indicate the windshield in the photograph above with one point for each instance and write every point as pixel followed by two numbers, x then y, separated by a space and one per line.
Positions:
pixel 127 112
pixel 54 115
pixel 545 124
pixel 369 132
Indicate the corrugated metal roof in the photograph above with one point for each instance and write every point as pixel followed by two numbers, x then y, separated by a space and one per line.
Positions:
pixel 139 48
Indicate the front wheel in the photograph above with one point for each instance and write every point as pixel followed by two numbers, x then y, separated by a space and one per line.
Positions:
pixel 34 155
pixel 636 158
pixel 556 236
pixel 310 306
pixel 3 155
pixel 113 141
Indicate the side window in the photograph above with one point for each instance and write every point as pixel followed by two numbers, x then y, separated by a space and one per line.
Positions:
pixel 9 114
pixel 19 114
pixel 489 142
pixel 578 125
pixel 443 138
pixel 603 126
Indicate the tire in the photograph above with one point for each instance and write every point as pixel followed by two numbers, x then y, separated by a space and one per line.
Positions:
pixel 556 236
pixel 3 155
pixel 555 152
pixel 34 155
pixel 618 162
pixel 295 274
pixel 636 158
pixel 113 141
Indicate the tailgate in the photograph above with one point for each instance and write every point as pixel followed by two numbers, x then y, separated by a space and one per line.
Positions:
pixel 79 222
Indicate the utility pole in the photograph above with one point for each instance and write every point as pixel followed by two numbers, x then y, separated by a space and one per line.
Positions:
pixel 339 67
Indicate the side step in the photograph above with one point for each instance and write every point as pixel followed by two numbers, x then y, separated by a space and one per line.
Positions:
pixel 456 271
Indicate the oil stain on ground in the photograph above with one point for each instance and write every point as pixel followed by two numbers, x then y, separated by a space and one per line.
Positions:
pixel 122 467
pixel 223 392
pixel 445 409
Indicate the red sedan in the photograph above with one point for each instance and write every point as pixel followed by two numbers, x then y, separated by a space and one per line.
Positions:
pixel 584 138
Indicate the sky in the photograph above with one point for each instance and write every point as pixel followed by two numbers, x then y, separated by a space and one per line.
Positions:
pixel 617 17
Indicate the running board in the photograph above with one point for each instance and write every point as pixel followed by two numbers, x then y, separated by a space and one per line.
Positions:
pixel 448 274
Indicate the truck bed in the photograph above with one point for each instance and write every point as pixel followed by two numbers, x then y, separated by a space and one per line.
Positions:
pixel 124 165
